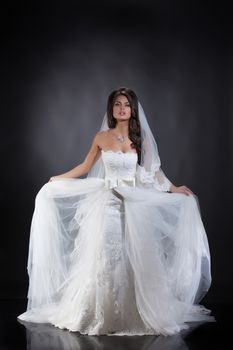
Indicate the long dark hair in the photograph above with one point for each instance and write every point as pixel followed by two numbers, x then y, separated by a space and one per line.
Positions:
pixel 134 123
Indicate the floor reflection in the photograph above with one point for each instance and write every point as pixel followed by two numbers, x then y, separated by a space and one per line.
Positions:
pixel 46 336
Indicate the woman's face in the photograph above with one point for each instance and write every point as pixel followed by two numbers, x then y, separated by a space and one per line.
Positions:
pixel 121 108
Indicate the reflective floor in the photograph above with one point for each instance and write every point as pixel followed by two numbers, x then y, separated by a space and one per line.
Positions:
pixel 19 335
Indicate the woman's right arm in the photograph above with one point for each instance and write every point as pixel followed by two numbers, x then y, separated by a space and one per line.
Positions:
pixel 83 168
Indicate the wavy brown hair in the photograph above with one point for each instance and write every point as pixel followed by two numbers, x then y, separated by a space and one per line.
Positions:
pixel 134 123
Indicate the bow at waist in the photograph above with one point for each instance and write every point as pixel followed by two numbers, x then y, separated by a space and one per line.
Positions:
pixel 111 182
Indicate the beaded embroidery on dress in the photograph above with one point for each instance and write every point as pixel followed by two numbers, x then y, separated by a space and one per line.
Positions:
pixel 108 256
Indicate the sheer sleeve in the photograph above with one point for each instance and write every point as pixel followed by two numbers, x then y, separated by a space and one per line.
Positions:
pixel 162 183
pixel 149 172
pixel 154 178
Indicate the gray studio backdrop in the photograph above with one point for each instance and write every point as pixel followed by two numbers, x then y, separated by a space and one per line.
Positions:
pixel 63 65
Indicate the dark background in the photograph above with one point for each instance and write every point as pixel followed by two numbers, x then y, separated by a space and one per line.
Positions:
pixel 59 62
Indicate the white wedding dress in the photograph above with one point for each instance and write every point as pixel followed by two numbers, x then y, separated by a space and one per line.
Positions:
pixel 111 256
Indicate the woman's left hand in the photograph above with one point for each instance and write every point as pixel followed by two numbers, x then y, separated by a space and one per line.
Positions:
pixel 182 189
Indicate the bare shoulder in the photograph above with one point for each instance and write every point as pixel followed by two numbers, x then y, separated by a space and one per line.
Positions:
pixel 103 132
pixel 101 139
pixel 101 135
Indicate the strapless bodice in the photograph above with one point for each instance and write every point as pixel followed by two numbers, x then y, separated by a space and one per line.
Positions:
pixel 119 164
pixel 120 168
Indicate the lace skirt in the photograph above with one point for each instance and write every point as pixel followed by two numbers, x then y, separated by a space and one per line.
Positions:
pixel 107 302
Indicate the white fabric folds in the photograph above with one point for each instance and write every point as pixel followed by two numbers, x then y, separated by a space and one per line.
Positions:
pixel 110 255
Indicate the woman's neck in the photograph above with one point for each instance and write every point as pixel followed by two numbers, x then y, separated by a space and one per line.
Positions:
pixel 122 128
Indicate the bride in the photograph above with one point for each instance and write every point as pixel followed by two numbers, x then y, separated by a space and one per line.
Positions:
pixel 122 251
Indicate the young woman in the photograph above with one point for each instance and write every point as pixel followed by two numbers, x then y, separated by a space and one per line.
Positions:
pixel 122 251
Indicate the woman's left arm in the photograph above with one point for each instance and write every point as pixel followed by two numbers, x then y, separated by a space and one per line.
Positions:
pixel 164 184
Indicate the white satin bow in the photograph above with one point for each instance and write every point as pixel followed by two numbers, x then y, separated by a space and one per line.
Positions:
pixel 111 182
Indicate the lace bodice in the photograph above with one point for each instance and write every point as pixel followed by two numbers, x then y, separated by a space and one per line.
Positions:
pixel 119 164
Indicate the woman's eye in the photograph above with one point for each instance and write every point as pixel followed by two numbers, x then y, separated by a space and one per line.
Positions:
pixel 117 104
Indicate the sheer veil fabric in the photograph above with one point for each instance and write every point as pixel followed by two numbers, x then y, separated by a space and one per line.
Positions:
pixel 127 258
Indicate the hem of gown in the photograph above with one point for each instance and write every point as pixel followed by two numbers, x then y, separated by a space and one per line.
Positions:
pixel 186 325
